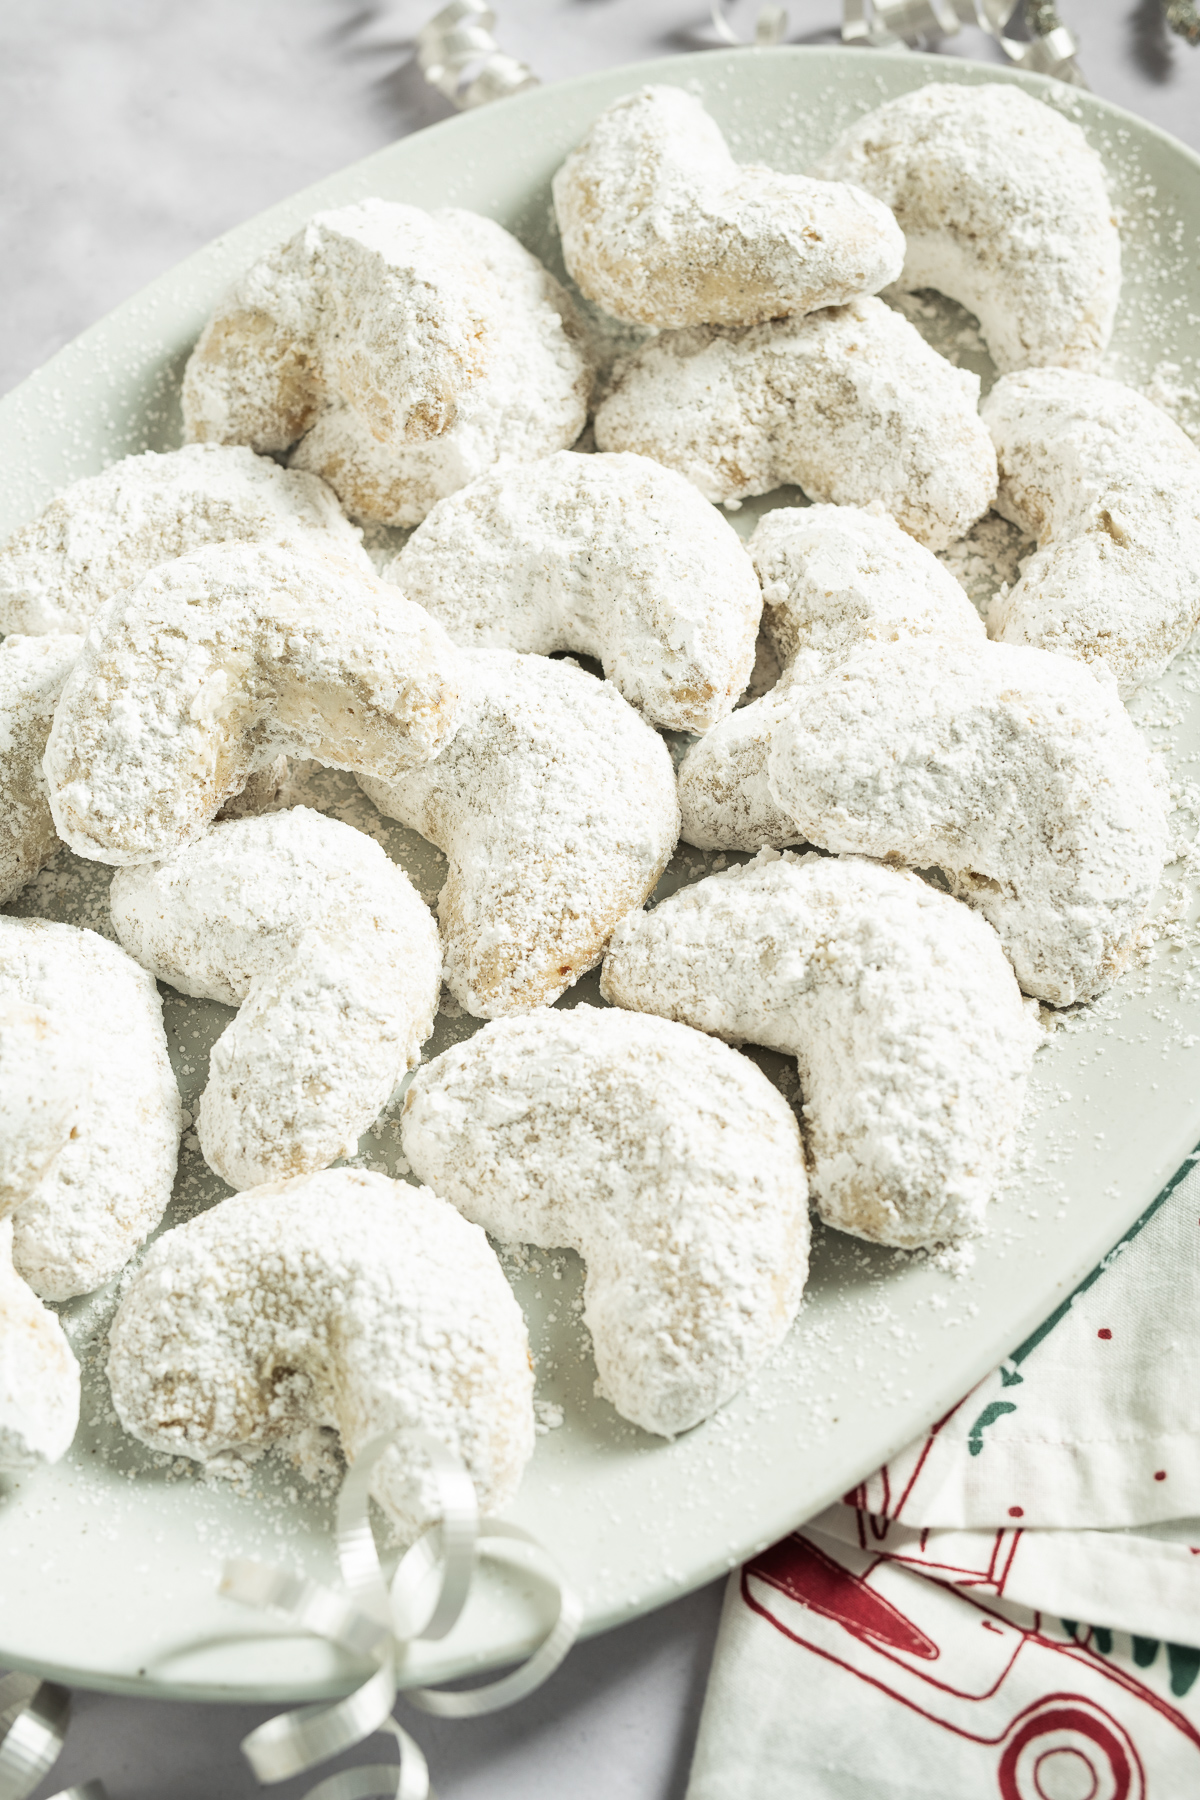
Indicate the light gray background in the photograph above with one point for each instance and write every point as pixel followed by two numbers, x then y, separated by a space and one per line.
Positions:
pixel 131 133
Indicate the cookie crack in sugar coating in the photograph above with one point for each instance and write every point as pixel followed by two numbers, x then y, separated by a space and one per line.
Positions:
pixel 217 664
pixel 556 807
pixel 832 577
pixel 667 1160
pixel 343 1300
pixel 908 1028
pixel 334 960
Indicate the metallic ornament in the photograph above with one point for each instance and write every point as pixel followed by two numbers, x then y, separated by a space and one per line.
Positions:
pixel 1183 16
pixel 1050 51
pixel 458 55
pixel 769 28
pixel 902 24
pixel 34 1716
pixel 897 24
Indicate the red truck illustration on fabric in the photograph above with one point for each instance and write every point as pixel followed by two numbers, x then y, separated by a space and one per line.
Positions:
pixel 953 1660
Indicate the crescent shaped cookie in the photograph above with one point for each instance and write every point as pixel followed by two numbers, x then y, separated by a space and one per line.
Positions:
pixel 611 556
pixel 850 404
pixel 1019 775
pixel 833 577
pixel 222 661
pixel 667 1160
pixel 110 1182
pixel 556 807
pixel 101 535
pixel 332 957
pixel 909 1031
pixel 1110 487
pixel 39 1377
pixel 661 226
pixel 33 673
pixel 341 1300
pixel 397 353
pixel 1004 207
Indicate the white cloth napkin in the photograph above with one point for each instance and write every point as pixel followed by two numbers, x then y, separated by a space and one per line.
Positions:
pixel 1010 1607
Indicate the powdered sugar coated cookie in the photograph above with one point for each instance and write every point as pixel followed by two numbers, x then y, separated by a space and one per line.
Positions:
pixel 401 352
pixel 101 535
pixel 1004 207
pixel 1019 775
pixel 217 664
pixel 556 807
pixel 661 226
pixel 334 960
pixel 907 1026
pixel 1110 487
pixel 612 556
pixel 668 1161
pixel 342 1300
pixel 850 404
pixel 833 577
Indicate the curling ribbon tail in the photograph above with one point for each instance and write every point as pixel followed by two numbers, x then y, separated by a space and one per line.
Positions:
pixel 380 1621
pixel 898 24
pixel 34 1716
pixel 458 55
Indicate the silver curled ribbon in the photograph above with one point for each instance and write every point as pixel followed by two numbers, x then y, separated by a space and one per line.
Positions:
pixel 33 1726
pixel 900 24
pixel 379 1620
pixel 458 55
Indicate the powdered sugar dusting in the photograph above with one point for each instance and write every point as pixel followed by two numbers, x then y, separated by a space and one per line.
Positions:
pixel 99 538
pixel 669 1162
pixel 661 226
pixel 1004 206
pixel 110 1183
pixel 911 1036
pixel 337 1300
pixel 850 404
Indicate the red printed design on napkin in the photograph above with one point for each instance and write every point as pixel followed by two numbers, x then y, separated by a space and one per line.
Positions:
pixel 1042 1710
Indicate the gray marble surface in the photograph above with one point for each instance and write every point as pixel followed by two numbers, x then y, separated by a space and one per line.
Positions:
pixel 131 133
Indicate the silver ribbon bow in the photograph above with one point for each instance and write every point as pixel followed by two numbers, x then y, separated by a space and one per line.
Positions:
pixel 458 55
pixel 898 24
pixel 33 1726
pixel 378 1620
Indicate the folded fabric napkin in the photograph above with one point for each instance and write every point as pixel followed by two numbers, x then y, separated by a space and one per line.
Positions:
pixel 927 1636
